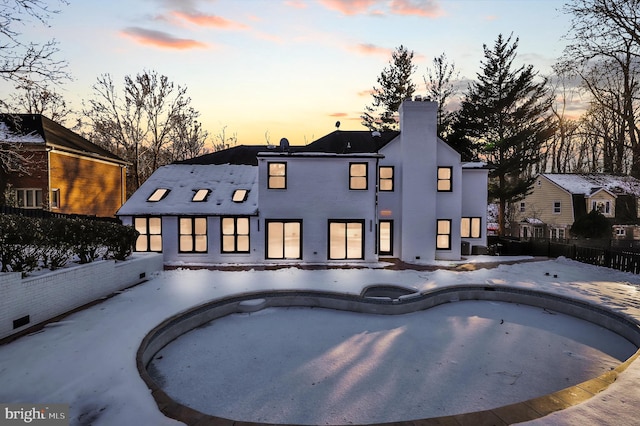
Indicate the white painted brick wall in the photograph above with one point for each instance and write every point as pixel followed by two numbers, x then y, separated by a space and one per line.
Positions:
pixel 46 296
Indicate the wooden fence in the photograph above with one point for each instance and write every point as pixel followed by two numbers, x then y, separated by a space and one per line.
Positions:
pixel 41 213
pixel 623 255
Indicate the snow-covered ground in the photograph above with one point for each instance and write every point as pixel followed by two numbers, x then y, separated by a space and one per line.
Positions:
pixel 88 360
pixel 309 366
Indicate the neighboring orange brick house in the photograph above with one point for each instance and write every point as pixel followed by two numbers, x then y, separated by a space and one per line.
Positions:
pixel 65 172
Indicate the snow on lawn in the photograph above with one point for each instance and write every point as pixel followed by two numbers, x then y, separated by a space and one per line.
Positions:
pixel 88 360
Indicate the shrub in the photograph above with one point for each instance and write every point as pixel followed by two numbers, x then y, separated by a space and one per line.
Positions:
pixel 56 247
pixel 27 241
pixel 592 225
pixel 20 243
pixel 119 240
pixel 87 242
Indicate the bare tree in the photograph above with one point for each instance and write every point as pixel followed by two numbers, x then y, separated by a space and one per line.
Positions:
pixel 36 99
pixel 222 141
pixel 24 63
pixel 21 61
pixel 188 137
pixel 440 88
pixel 558 151
pixel 142 125
pixel 605 52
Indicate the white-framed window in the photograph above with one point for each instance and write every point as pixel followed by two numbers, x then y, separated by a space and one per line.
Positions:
pixel 358 176
pixel 150 229
pixel 445 176
pixel 443 237
pixel 346 239
pixel 470 227
pixel 557 207
pixel 601 206
pixel 284 239
pixel 158 195
pixel 523 207
pixel 193 235
pixel 55 198
pixel 385 178
pixel 277 178
pixel 235 235
pixel 29 198
pixel 620 232
pixel 538 232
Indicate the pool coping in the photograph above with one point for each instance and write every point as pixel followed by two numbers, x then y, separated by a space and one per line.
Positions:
pixel 180 323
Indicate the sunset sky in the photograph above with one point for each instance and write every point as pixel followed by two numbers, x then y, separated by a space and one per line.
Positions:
pixel 268 69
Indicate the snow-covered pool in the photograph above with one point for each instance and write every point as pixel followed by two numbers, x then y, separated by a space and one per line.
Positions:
pixel 300 365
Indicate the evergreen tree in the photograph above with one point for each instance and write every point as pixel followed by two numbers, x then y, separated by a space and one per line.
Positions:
pixel 592 225
pixel 503 118
pixel 395 86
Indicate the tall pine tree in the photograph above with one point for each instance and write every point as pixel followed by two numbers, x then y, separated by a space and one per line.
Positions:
pixel 504 118
pixel 395 86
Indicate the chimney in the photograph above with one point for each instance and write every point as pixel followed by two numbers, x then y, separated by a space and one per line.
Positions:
pixel 418 142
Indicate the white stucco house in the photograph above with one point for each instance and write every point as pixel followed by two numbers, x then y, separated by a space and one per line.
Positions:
pixel 350 196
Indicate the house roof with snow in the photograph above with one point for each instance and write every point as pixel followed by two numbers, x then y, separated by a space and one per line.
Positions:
pixel 197 189
pixel 336 142
pixel 38 129
pixel 589 184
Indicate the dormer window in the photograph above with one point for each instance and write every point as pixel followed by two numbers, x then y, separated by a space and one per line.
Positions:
pixel 158 194
pixel 601 206
pixel 201 195
pixel 240 195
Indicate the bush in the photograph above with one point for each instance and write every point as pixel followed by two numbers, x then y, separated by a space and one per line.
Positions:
pixel 119 240
pixel 26 242
pixel 86 238
pixel 592 225
pixel 56 245
pixel 20 243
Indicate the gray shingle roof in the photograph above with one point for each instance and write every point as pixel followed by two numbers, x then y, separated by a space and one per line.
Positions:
pixel 184 180
pixel 37 126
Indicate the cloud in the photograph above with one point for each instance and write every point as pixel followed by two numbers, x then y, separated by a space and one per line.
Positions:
pixel 366 93
pixel 426 8
pixel 297 4
pixel 371 49
pixel 349 7
pixel 160 39
pixel 338 114
pixel 206 20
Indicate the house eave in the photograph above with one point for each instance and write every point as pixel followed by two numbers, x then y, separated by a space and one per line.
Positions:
pixel 318 155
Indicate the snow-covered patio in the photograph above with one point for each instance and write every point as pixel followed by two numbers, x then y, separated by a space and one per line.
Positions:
pixel 89 359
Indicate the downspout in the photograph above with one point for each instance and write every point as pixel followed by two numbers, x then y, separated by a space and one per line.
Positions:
pixel 377 218
pixel 48 149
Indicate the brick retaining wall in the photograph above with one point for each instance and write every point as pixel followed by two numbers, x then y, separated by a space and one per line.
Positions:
pixel 34 300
